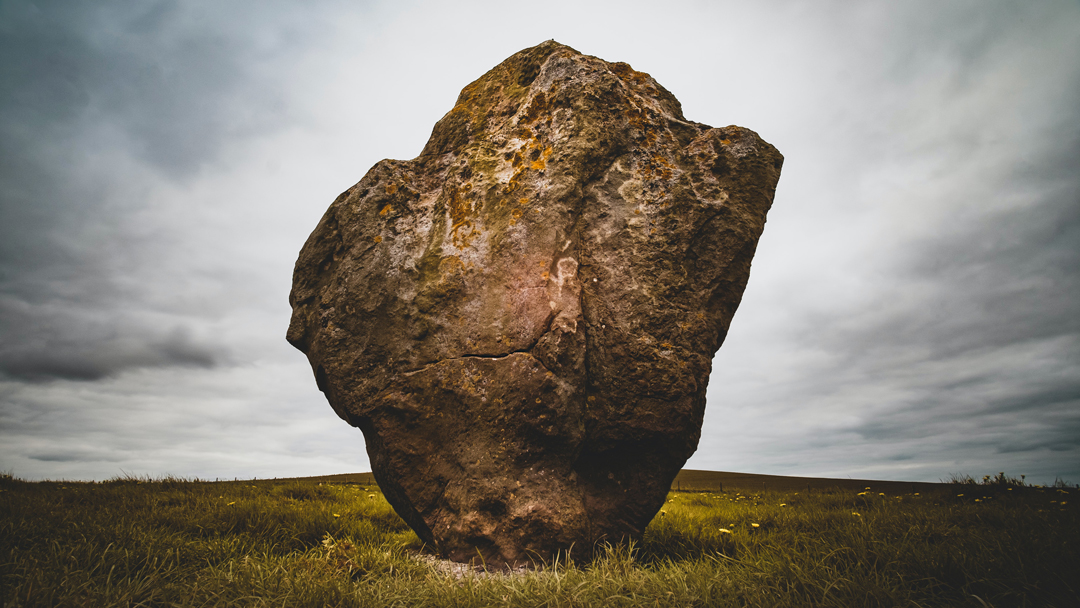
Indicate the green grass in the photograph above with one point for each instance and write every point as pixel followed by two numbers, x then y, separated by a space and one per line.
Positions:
pixel 171 542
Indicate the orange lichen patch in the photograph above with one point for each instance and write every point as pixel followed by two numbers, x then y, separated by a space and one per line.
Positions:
pixel 629 74
pixel 540 161
pixel 462 227
pixel 460 208
pixel 657 167
pixel 665 167
pixel 385 210
pixel 533 155
pixel 377 239
pixel 463 234
pixel 391 188
pixel 726 142
pixel 468 97
pixel 638 118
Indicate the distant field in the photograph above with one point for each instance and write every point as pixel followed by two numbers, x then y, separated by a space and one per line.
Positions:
pixel 364 479
pixel 716 481
pixel 690 480
pixel 334 541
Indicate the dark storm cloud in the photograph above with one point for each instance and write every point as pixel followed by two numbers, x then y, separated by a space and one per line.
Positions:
pixel 81 353
pixel 100 99
pixel 75 456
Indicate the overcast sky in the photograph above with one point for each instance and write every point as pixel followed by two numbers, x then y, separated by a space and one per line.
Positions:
pixel 913 309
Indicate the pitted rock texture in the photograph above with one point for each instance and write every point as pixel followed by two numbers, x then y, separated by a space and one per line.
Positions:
pixel 522 319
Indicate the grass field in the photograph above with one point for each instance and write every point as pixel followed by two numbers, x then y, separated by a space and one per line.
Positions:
pixel 334 542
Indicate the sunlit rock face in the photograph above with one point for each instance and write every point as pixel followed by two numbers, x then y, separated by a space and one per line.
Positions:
pixel 521 320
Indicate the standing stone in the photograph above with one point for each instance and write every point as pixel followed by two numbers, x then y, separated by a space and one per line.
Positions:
pixel 522 319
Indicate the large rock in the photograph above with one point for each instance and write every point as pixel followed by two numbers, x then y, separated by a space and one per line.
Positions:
pixel 522 319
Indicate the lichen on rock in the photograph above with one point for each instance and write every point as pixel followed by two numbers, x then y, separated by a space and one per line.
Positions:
pixel 522 319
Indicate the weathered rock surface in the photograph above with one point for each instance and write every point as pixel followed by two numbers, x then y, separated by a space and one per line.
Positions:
pixel 522 319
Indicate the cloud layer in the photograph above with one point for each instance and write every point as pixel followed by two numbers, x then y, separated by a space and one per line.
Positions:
pixel 911 312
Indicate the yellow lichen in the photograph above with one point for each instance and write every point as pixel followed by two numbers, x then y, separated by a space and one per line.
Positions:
pixel 462 227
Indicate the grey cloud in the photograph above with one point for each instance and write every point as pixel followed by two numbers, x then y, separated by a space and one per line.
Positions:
pixel 152 69
pixel 103 103
pixel 96 82
pixel 1053 440
pixel 953 341
pixel 955 338
pixel 80 353
pixel 985 282
pixel 996 337
pixel 1008 277
pixel 74 456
